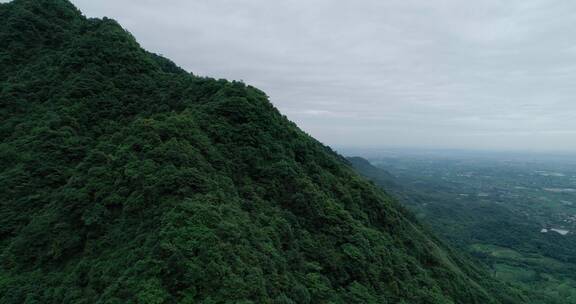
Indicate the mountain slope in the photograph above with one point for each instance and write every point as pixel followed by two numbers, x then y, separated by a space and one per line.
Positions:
pixel 125 179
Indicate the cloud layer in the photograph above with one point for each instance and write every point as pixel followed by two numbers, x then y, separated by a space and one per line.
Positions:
pixel 372 73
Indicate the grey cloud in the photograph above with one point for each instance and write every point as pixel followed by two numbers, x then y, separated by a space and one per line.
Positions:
pixel 490 74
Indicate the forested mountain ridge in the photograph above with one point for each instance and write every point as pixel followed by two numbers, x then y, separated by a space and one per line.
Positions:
pixel 125 179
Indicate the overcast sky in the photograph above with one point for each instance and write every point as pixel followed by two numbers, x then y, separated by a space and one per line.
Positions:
pixel 369 73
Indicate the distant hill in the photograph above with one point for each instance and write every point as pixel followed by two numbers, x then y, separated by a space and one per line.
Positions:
pixel 379 176
pixel 125 179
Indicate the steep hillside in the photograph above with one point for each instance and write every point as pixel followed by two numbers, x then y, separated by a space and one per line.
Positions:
pixel 125 179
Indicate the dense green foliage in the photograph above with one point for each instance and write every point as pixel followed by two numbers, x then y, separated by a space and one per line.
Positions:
pixel 495 210
pixel 125 179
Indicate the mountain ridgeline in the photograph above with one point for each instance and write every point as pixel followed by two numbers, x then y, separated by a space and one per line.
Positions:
pixel 125 179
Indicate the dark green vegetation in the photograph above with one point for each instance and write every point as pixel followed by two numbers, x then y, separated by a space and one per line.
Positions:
pixel 495 210
pixel 125 179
